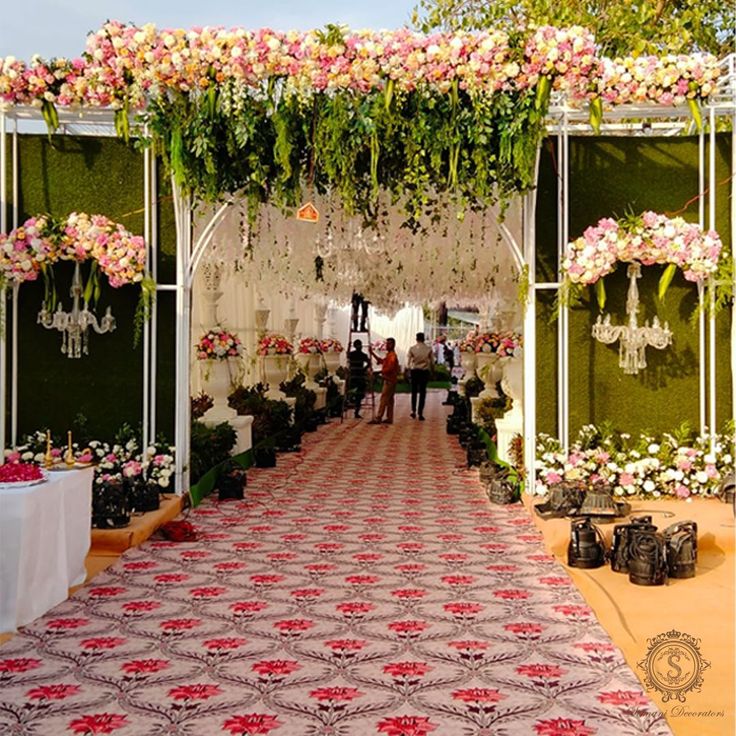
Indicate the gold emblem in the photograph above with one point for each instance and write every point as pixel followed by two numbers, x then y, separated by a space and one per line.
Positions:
pixel 673 665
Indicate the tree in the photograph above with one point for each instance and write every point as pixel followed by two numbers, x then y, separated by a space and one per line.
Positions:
pixel 621 27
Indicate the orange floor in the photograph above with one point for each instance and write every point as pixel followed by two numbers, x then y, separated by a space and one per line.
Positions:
pixel 702 607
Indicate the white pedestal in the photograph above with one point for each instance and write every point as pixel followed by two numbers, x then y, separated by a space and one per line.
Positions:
pixel 511 425
pixel 321 401
pixel 243 431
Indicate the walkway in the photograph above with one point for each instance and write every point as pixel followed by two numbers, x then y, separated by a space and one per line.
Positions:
pixel 365 587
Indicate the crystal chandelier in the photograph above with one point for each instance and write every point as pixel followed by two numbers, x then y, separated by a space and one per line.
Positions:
pixel 74 326
pixel 633 340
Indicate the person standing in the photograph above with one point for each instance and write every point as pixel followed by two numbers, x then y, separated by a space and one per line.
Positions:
pixel 390 374
pixel 358 363
pixel 420 362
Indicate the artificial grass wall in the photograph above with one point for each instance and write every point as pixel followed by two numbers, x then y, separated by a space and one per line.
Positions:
pixel 608 178
pixel 94 175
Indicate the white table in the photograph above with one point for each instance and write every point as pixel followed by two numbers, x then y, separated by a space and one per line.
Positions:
pixel 44 540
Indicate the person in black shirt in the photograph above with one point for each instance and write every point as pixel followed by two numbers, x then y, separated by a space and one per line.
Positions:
pixel 358 363
pixel 359 309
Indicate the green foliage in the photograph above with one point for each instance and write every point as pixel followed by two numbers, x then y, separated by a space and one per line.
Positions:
pixel 269 417
pixel 620 26
pixel 417 145
pixel 305 399
pixel 209 447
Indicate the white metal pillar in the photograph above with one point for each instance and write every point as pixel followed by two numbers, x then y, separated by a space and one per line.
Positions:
pixel 182 407
pixel 3 292
pixel 530 340
pixel 153 257
pixel 563 323
pixel 702 368
pixel 711 287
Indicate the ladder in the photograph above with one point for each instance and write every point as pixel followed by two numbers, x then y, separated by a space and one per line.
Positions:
pixel 362 332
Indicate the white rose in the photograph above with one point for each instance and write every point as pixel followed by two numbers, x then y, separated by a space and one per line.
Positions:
pixel 653 448
pixel 649 486
pixel 702 477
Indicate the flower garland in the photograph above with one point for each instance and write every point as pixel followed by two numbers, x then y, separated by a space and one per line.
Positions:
pixel 218 344
pixel 675 464
pixel 650 238
pixel 274 344
pixel 331 345
pixel 123 64
pixel 309 346
pixel 335 96
pixel 41 241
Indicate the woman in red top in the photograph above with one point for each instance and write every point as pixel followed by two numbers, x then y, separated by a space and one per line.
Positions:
pixel 390 374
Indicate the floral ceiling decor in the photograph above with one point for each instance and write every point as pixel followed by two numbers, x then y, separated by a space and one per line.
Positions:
pixel 649 238
pixel 265 113
pixel 678 464
pixel 41 241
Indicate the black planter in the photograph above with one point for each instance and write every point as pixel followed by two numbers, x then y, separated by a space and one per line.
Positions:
pixel 289 440
pixel 232 484
pixel 110 506
pixel 477 453
pixel 453 425
pixel 311 423
pixel 265 457
pixel 143 496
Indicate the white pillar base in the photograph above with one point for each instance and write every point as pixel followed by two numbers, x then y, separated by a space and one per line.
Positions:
pixel 321 401
pixel 242 426
pixel 508 427
pixel 218 415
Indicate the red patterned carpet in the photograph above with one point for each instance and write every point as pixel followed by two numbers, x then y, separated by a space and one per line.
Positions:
pixel 366 587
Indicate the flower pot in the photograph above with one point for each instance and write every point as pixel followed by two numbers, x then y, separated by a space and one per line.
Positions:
pixel 490 373
pixel 468 362
pixel 143 496
pixel 110 506
pixel 265 457
pixel 274 371
pixel 218 377
pixel 230 485
pixel 332 362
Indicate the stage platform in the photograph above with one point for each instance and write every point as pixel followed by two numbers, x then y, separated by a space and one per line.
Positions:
pixel 702 607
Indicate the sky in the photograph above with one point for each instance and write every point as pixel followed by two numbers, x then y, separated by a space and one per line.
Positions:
pixel 59 27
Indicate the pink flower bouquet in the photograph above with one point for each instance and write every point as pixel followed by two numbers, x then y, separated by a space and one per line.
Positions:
pixel 219 345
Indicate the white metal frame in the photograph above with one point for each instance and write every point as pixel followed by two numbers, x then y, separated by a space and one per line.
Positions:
pixel 563 122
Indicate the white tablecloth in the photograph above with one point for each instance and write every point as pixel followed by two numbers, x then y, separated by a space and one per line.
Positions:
pixel 44 539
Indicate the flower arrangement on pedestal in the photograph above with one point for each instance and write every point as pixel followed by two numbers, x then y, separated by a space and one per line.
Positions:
pixel 676 464
pixel 331 345
pixel 219 350
pixel 467 343
pixel 275 353
pixel 274 344
pixel 331 349
pixel 219 344
pixel 309 346
pixel 309 353
pixel 647 239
